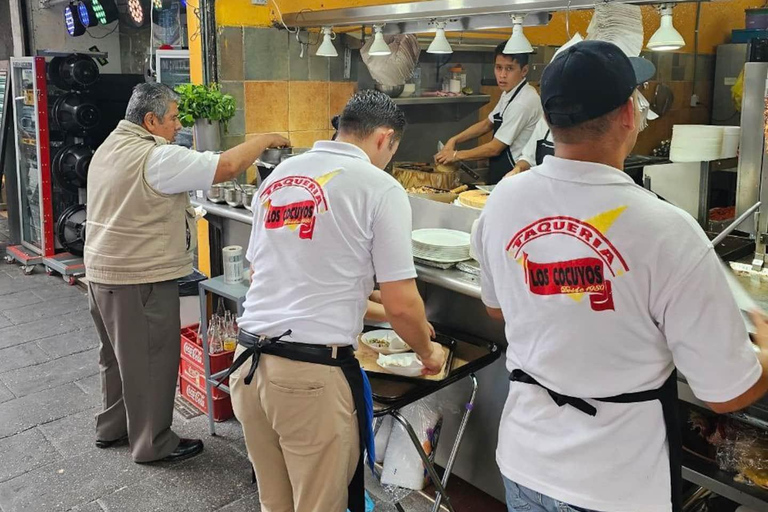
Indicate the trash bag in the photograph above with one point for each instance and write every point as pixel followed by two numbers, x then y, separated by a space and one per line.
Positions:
pixel 369 505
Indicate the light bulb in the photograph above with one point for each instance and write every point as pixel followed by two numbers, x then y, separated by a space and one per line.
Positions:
pixel 518 43
pixel 326 48
pixel 666 38
pixel 440 44
pixel 379 46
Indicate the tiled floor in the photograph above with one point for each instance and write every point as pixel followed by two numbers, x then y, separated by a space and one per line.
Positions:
pixel 49 393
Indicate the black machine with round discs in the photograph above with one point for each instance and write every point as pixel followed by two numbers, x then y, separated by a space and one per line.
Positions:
pixel 70 167
pixel 74 71
pixel 70 229
pixel 74 113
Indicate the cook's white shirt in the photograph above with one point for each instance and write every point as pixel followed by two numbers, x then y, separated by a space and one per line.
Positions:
pixel 519 120
pixel 172 169
pixel 604 289
pixel 540 132
pixel 324 223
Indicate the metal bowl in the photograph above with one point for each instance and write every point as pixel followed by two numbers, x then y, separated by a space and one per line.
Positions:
pixel 393 91
pixel 273 156
pixel 233 197
pixel 248 192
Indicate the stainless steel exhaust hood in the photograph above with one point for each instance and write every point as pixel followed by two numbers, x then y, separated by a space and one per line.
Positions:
pixel 460 15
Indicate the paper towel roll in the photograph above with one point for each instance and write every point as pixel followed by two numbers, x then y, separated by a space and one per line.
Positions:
pixel 232 256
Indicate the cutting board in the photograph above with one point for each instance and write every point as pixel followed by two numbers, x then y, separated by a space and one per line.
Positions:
pixel 367 358
pixel 411 174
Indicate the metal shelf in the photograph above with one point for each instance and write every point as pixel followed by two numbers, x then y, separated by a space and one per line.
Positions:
pixel 448 100
pixel 235 292
pixel 706 475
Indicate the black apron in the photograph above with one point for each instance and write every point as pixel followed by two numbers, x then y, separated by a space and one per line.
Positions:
pixel 544 148
pixel 501 164
pixel 257 345
pixel 666 394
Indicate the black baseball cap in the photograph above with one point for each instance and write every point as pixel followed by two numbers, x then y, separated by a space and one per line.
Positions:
pixel 588 80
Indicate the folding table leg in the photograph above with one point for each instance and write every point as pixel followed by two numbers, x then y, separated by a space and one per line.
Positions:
pixel 424 458
pixel 470 405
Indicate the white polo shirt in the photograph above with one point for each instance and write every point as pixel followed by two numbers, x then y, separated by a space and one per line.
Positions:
pixel 324 223
pixel 604 288
pixel 173 169
pixel 519 120
pixel 540 132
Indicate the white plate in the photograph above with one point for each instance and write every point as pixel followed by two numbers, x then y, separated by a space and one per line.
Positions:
pixel 459 203
pixel 438 259
pixel 441 237
pixel 407 365
pixel 396 344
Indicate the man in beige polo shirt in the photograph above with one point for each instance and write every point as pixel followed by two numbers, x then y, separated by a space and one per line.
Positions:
pixel 141 239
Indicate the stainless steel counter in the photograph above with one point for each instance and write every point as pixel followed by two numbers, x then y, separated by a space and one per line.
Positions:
pixel 225 211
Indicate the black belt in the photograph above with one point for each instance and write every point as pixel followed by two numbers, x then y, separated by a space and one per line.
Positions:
pixel 666 394
pixel 342 357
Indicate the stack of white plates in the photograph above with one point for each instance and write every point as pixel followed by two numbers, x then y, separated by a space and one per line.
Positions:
pixel 620 24
pixel 696 143
pixel 731 136
pixel 440 245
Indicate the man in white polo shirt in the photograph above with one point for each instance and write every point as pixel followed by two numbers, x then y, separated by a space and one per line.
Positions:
pixel 326 224
pixel 605 290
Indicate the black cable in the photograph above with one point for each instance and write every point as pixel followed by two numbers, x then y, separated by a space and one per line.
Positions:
pixel 105 35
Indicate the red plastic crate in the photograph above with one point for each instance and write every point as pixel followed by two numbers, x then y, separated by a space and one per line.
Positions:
pixel 197 377
pixel 193 353
pixel 222 407
pixel 190 334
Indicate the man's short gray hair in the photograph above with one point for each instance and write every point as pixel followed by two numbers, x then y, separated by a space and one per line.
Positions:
pixel 149 97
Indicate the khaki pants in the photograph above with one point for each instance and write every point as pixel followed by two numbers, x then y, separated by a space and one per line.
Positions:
pixel 138 326
pixel 301 432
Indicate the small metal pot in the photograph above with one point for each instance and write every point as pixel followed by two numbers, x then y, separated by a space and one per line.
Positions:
pixel 216 193
pixel 273 156
pixel 248 192
pixel 294 152
pixel 233 197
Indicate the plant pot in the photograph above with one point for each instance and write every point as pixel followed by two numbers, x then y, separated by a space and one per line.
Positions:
pixel 207 136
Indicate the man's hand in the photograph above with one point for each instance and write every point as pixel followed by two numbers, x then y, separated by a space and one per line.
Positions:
pixel 517 170
pixel 431 330
pixel 434 361
pixel 446 156
pixel 760 338
pixel 275 140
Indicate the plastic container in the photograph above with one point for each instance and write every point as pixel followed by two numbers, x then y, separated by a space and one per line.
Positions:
pixel 197 377
pixel 192 351
pixel 756 19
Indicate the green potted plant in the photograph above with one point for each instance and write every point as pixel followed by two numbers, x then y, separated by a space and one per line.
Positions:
pixel 205 108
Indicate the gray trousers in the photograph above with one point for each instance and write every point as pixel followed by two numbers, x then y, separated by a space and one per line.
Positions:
pixel 139 329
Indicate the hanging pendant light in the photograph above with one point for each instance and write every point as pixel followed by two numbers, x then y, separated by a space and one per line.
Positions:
pixel 72 21
pixel 666 38
pixel 326 48
pixel 440 44
pixel 518 43
pixel 379 46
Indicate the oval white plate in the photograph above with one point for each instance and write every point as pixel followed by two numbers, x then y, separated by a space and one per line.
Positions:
pixel 441 237
pixel 406 365
pixel 396 344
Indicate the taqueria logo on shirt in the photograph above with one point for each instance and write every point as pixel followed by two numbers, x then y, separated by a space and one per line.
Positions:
pixel 300 214
pixel 575 277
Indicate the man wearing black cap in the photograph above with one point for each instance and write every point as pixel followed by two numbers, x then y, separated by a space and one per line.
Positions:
pixel 605 290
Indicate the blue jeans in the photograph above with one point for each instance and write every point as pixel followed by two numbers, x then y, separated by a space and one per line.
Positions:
pixel 522 499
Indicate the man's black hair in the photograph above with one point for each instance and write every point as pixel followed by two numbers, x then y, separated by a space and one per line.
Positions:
pixel 520 58
pixel 369 110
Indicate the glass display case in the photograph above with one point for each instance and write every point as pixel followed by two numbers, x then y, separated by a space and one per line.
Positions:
pixel 172 68
pixel 30 110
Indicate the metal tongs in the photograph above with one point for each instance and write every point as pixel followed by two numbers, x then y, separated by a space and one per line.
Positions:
pixel 727 231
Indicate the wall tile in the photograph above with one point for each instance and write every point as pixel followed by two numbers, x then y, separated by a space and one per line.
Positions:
pixel 264 52
pixel 320 67
pixel 249 136
pixel 266 107
pixel 298 65
pixel 308 106
pixel 236 125
pixel 340 93
pixel 664 67
pixel 235 89
pixel 230 48
pixel 306 139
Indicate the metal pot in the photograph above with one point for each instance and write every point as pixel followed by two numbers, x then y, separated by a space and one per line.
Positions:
pixel 216 193
pixel 294 152
pixel 273 156
pixel 393 91
pixel 248 192
pixel 233 197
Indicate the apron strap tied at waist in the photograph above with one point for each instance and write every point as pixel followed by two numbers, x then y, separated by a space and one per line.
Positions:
pixel 559 399
pixel 253 351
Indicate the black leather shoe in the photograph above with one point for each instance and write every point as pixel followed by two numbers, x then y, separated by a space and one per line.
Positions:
pixel 109 444
pixel 187 448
